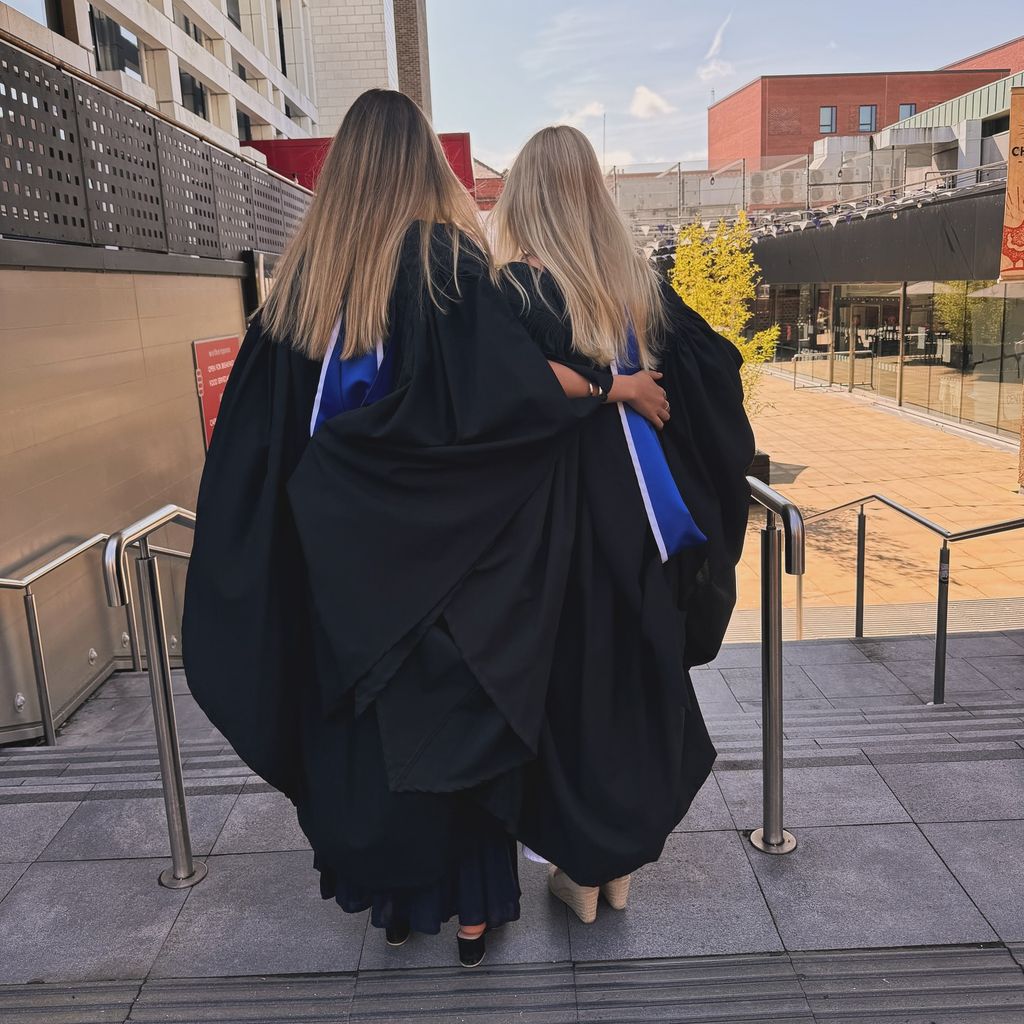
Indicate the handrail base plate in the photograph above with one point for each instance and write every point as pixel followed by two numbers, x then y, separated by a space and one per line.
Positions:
pixel 788 844
pixel 199 872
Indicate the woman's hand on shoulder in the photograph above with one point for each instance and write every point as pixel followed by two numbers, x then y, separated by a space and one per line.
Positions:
pixel 642 392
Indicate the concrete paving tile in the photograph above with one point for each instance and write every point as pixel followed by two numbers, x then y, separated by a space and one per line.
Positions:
pixel 830 795
pixel 958 791
pixel 700 899
pixel 859 680
pixel 135 827
pixel 984 645
pixel 1016 635
pixel 995 751
pixel 710 687
pixel 541 936
pixel 904 649
pixel 9 875
pixel 859 886
pixel 708 812
pixel 986 861
pixel 891 700
pixel 26 828
pixel 1006 672
pixel 261 823
pixel 738 656
pixel 746 685
pixel 85 921
pixel 260 913
pixel 792 705
pixel 85 1002
pixel 961 677
pixel 822 653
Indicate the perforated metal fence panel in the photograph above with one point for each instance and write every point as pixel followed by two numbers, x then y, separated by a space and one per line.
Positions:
pixel 122 175
pixel 233 183
pixel 42 194
pixel 269 217
pixel 294 204
pixel 186 177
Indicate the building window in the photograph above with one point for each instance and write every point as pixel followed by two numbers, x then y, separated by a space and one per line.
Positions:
pixel 189 27
pixel 193 94
pixel 46 12
pixel 280 38
pixel 869 118
pixel 907 110
pixel 242 73
pixel 116 48
pixel 244 126
pixel 827 120
pixel 234 13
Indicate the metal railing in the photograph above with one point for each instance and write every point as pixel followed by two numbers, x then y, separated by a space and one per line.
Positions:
pixel 942 599
pixel 35 638
pixel 772 837
pixel 184 871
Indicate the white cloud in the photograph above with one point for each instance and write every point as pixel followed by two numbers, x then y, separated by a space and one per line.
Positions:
pixel 647 104
pixel 833 45
pixel 713 67
pixel 588 112
pixel 618 158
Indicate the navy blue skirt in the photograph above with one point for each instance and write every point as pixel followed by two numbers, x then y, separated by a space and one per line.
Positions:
pixel 480 886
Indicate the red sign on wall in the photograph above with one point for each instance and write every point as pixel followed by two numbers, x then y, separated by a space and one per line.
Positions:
pixel 213 358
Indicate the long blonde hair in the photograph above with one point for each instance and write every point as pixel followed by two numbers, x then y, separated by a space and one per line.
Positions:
pixel 384 171
pixel 556 208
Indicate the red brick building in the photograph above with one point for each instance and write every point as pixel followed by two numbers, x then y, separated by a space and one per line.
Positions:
pixel 782 115
pixel 1006 55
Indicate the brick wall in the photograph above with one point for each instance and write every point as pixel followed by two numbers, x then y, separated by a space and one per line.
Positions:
pixel 411 49
pixel 779 115
pixel 735 126
pixel 1007 55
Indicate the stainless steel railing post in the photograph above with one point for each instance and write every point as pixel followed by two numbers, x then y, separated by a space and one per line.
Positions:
pixel 772 837
pixel 862 531
pixel 184 872
pixel 39 668
pixel 941 625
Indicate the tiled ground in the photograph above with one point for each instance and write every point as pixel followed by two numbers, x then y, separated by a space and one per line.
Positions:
pixel 828 448
pixel 910 822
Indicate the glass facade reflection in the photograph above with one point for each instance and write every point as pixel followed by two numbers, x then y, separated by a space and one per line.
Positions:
pixel 953 349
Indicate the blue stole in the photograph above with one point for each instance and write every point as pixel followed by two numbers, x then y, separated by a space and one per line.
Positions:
pixel 347 384
pixel 671 523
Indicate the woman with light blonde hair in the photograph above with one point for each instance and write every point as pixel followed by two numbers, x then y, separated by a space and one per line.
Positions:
pixel 382 538
pixel 660 520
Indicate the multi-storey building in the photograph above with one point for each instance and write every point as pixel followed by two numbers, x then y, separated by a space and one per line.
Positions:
pixel 780 116
pixel 235 70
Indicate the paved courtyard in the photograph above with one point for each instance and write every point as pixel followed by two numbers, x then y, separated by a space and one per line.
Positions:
pixel 828 448
pixel 904 901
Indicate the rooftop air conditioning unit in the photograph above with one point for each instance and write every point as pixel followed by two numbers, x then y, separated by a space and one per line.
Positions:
pixel 757 180
pixel 787 195
pixel 786 178
pixel 757 195
pixel 818 195
pixel 817 177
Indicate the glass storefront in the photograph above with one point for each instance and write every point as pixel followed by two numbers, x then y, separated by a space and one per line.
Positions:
pixel 954 349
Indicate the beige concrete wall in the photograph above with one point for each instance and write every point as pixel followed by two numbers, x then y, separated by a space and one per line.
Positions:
pixel 99 424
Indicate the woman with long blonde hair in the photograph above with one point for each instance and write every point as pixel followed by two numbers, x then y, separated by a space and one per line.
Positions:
pixel 386 482
pixel 660 521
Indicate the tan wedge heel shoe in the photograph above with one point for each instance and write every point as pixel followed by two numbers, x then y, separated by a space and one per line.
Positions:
pixel 616 892
pixel 580 899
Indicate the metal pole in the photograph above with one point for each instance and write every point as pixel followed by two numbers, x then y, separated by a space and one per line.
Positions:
pixel 132 616
pixel 941 623
pixel 862 532
pixel 902 348
pixel 39 668
pixel 800 607
pixel 772 837
pixel 184 872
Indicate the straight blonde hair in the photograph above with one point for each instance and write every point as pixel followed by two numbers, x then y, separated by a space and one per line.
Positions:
pixel 556 208
pixel 384 171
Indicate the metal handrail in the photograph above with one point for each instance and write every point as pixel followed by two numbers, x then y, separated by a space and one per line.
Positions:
pixel 184 871
pixel 772 837
pixel 39 672
pixel 942 599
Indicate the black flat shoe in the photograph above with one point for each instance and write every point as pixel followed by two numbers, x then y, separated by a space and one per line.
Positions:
pixel 472 951
pixel 396 934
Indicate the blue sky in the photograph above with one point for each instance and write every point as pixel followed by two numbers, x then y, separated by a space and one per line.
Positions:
pixel 502 70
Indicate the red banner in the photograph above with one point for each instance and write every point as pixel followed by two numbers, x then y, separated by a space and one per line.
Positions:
pixel 213 358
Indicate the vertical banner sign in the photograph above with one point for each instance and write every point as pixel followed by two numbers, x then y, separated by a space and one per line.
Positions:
pixel 213 358
pixel 1011 263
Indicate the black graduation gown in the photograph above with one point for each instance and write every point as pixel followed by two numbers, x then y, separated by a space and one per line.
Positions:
pixel 624 748
pixel 371 614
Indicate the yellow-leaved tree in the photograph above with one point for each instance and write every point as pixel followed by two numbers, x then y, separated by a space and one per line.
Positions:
pixel 716 275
